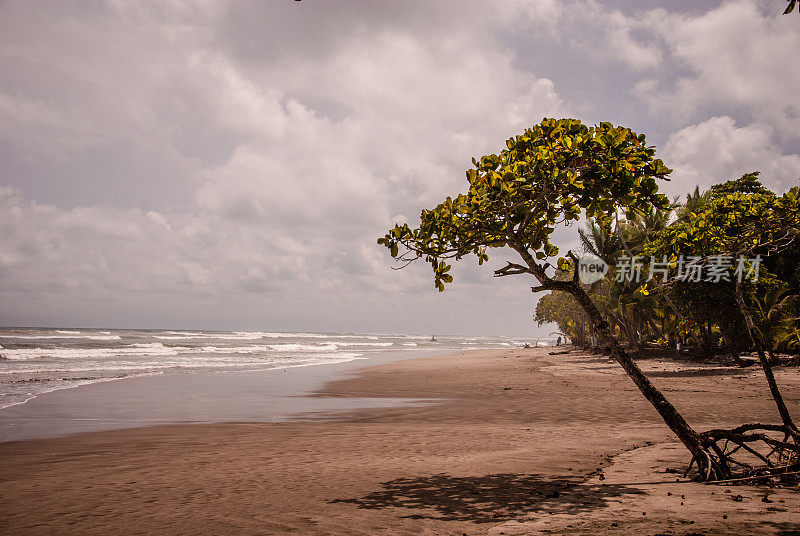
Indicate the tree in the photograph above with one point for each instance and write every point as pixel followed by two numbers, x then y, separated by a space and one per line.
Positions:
pixel 774 312
pixel 561 309
pixel 741 220
pixel 744 220
pixel 555 172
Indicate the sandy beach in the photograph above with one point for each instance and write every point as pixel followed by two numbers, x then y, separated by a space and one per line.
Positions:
pixel 520 442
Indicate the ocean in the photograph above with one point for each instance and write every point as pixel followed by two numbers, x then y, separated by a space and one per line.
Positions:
pixel 34 361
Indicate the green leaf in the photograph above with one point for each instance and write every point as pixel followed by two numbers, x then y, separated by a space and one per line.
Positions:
pixel 547 174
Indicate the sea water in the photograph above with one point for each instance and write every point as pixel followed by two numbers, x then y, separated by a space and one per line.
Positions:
pixel 34 361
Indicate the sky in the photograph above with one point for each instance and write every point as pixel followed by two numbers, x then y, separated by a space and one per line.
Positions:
pixel 230 165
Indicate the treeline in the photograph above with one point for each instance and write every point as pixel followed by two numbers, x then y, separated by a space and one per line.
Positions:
pixel 718 271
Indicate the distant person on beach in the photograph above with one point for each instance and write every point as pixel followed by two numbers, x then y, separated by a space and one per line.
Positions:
pixel 558 342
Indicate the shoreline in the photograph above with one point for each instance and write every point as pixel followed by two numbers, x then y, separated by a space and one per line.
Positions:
pixel 513 445
pixel 262 395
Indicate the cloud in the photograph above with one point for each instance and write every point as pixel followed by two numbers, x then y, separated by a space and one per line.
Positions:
pixel 716 150
pixel 236 161
pixel 611 36
pixel 36 127
pixel 290 170
pixel 736 56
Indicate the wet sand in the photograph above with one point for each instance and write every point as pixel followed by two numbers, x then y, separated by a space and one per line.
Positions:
pixel 513 447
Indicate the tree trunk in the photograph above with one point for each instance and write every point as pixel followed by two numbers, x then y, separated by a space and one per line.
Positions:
pixel 772 357
pixel 705 333
pixel 626 326
pixel 673 419
pixel 671 416
pixel 762 358
pixel 656 330
pixel 730 345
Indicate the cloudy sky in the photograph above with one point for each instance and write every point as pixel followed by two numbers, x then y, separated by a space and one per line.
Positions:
pixel 230 164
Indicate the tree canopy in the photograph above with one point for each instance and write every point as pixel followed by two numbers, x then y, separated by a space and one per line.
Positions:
pixel 547 175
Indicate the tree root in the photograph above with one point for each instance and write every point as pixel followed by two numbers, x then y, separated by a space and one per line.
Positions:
pixel 750 452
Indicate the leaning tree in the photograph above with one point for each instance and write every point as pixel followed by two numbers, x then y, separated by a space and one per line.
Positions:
pixel 743 220
pixel 554 172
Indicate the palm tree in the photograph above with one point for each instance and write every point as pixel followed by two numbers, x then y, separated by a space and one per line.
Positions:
pixel 775 315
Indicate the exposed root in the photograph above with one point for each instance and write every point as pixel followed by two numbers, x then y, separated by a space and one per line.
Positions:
pixel 750 452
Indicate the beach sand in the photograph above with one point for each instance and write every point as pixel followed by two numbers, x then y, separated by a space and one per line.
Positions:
pixel 516 445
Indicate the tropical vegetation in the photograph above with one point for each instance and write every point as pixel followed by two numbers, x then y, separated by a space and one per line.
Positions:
pixel 561 171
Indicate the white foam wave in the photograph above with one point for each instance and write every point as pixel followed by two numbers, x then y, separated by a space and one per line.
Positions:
pixel 189 333
pixel 58 386
pixel 274 335
pixel 177 336
pixel 155 349
pixel 279 335
pixel 161 368
pixel 381 344
pixel 325 347
pixel 158 349
pixel 252 349
pixel 63 336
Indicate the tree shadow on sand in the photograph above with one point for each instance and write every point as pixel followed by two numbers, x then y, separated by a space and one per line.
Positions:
pixel 784 528
pixel 489 498
pixel 697 373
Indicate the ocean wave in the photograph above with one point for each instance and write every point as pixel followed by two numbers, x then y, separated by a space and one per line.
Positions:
pixel 15 399
pixel 159 349
pixel 47 385
pixel 278 335
pixel 174 336
pixel 252 349
pixel 325 347
pixel 63 336
pixel 190 333
pixel 381 344
pixel 255 335
pixel 288 335
pixel 86 353
pixel 145 345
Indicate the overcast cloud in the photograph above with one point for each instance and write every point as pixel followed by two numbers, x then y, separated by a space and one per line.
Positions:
pixel 230 165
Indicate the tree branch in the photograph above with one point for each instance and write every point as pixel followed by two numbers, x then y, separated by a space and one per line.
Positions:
pixel 574 266
pixel 552 284
pixel 511 269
